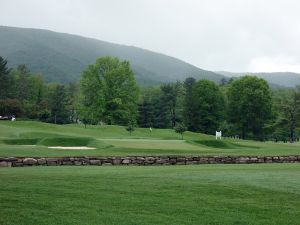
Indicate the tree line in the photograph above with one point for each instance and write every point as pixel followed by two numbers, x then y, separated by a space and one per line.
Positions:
pixel 27 95
pixel 107 93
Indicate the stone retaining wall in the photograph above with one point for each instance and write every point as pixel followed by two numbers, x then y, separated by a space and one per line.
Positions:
pixel 143 160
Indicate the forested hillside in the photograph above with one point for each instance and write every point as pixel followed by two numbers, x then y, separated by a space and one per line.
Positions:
pixel 61 57
pixel 286 79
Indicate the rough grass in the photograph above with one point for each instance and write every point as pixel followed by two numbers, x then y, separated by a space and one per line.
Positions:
pixel 20 141
pixel 207 194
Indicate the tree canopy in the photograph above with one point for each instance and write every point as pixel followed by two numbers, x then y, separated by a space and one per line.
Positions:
pixel 249 105
pixel 109 92
pixel 208 106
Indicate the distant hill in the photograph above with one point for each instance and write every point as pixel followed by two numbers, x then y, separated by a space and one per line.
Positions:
pixel 286 79
pixel 62 57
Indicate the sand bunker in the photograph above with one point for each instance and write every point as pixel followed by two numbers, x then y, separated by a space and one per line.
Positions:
pixel 72 148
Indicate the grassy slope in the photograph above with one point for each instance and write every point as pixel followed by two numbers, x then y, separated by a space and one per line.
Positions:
pixel 115 140
pixel 207 194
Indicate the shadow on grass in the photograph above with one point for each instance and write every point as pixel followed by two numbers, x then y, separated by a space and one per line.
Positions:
pixel 222 144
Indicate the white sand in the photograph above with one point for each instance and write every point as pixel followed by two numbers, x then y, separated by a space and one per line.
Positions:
pixel 72 148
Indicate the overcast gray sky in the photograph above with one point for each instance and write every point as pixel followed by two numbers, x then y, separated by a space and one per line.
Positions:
pixel 231 35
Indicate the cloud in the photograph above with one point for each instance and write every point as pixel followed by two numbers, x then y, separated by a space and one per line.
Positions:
pixel 233 35
pixel 274 64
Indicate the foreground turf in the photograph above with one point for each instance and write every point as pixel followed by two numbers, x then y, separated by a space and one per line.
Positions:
pixel 26 138
pixel 208 194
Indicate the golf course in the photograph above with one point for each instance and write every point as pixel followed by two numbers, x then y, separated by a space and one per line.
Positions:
pixel 36 139
pixel 149 112
pixel 190 194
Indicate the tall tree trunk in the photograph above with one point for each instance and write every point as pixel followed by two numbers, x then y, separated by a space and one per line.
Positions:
pixel 292 127
pixel 243 132
pixel 292 135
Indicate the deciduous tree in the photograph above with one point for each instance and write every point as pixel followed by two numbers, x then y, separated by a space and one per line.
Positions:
pixel 208 107
pixel 180 129
pixel 109 91
pixel 249 105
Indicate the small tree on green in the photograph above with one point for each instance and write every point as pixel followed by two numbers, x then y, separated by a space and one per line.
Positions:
pixel 85 121
pixel 131 125
pixel 180 129
pixel 130 128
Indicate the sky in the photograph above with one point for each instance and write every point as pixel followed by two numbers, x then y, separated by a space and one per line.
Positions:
pixel 217 35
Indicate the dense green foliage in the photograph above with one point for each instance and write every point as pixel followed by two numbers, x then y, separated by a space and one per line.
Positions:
pixel 161 107
pixel 249 105
pixel 208 107
pixel 109 92
pixel 61 57
pixel 58 103
pixel 27 95
pixel 10 107
pixel 188 105
pixel 4 78
pixel 288 118
pixel 207 194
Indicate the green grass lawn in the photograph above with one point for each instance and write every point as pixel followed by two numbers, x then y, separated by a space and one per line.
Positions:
pixel 207 194
pixel 27 138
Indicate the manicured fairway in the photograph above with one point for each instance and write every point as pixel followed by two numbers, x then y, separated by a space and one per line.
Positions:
pixel 26 138
pixel 206 194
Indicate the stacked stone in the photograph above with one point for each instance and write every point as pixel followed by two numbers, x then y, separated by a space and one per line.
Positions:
pixel 144 160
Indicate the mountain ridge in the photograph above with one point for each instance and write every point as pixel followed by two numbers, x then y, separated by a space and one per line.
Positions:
pixel 61 57
pixel 283 79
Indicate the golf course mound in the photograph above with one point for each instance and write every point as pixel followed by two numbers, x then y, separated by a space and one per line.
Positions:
pixel 65 141
pixel 54 142
pixel 214 143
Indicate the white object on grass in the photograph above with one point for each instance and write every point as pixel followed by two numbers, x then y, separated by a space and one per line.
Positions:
pixel 218 135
